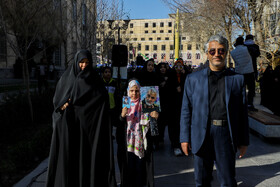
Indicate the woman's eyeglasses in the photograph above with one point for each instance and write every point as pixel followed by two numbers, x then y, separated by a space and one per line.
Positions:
pixel 221 51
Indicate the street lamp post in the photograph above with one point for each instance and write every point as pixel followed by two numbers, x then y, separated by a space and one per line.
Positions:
pixel 120 25
pixel 117 26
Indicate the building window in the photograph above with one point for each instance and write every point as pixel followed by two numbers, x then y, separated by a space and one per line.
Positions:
pixel 183 38
pixel 142 39
pixel 154 31
pixel 166 38
pixel 57 57
pixel 169 31
pixel 169 24
pixel 146 47
pixel 131 25
pixel 158 38
pixel 181 47
pixel 161 31
pixel 189 46
pixel 163 47
pixel 197 55
pixel 197 46
pixel 131 32
pixel 154 24
pixel 163 56
pixel 135 39
pixel 146 25
pixel 130 47
pixel 171 56
pixel 3 47
pixel 146 32
pixel 189 56
pixel 139 47
pixel 150 39
pixel 155 56
pixel 161 24
pixel 155 47
pixel 171 47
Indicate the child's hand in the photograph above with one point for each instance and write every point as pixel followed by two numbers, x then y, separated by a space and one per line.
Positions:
pixel 124 112
pixel 179 89
pixel 154 114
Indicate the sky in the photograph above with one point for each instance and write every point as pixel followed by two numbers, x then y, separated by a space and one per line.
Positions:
pixel 146 9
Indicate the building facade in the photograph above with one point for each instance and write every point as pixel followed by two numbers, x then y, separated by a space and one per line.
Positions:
pixel 272 20
pixel 153 38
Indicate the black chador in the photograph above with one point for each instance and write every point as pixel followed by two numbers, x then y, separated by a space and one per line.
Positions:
pixel 81 152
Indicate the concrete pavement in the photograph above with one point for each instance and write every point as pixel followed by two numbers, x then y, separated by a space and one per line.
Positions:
pixel 260 167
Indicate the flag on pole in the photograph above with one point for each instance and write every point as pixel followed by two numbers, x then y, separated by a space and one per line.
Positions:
pixel 147 58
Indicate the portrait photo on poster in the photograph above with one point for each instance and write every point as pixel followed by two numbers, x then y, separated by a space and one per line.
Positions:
pixel 126 102
pixel 150 99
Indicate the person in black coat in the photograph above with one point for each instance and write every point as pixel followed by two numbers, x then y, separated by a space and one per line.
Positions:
pixel 276 92
pixel 167 92
pixel 181 76
pixel 81 152
pixel 148 76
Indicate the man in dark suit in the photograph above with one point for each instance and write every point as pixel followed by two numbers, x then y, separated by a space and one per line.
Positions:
pixel 214 121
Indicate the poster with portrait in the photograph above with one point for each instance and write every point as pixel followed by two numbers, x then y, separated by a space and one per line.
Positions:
pixel 126 102
pixel 150 99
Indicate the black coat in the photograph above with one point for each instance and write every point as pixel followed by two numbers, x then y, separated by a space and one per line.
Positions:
pixel 81 152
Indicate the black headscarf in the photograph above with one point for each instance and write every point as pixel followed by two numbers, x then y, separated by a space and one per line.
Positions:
pixel 81 149
pixel 65 84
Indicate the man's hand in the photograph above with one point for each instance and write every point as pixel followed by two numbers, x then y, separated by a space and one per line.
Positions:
pixel 154 114
pixel 186 147
pixel 242 150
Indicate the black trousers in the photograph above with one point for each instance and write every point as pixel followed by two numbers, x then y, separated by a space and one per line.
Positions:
pixel 216 149
pixel 249 80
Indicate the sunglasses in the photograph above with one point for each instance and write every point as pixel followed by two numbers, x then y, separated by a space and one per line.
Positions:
pixel 148 95
pixel 221 51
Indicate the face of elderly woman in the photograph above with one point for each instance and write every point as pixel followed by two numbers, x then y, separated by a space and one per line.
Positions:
pixel 83 63
pixel 134 92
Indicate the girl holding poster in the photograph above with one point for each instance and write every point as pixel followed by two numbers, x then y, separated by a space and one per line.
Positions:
pixel 135 158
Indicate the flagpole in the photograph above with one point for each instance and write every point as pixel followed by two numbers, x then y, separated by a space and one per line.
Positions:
pixel 177 35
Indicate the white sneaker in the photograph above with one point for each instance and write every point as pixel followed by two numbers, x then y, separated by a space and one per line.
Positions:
pixel 177 152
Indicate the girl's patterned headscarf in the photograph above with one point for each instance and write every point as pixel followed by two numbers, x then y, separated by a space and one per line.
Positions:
pixel 137 125
pixel 131 84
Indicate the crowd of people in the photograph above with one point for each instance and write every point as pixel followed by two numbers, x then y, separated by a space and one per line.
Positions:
pixel 205 112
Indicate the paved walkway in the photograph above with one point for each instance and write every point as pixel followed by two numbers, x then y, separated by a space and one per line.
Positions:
pixel 260 167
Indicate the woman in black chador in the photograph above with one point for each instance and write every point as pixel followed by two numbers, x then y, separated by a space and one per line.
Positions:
pixel 81 152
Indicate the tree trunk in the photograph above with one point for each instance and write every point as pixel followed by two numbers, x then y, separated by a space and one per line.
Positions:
pixel 27 84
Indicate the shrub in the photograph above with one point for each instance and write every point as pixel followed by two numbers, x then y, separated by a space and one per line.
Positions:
pixel 23 145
